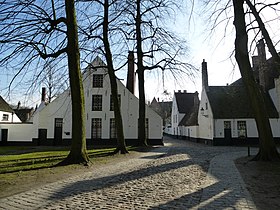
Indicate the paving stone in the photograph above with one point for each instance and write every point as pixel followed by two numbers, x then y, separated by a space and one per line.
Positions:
pixel 181 175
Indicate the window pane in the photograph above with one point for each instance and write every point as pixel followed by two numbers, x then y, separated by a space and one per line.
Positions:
pixel 97 80
pixel 96 128
pixel 113 133
pixel 97 103
pixel 241 129
pixel 227 125
pixel 147 127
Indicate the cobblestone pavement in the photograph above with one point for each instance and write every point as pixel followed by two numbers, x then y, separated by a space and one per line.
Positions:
pixel 180 175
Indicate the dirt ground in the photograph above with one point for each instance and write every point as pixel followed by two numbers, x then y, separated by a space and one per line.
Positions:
pixel 262 179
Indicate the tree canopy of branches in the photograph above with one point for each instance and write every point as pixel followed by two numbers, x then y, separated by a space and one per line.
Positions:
pixel 31 30
pixel 155 45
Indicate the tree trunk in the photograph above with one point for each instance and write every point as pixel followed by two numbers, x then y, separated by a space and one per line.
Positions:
pixel 267 148
pixel 142 106
pixel 114 88
pixel 78 152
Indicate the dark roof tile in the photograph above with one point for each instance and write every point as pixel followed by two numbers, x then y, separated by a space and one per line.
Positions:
pixel 4 106
pixel 231 102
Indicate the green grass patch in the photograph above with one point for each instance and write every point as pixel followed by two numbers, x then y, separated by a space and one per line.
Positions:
pixel 29 158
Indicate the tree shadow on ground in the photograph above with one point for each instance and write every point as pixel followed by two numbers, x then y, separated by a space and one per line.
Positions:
pixel 215 195
pixel 93 184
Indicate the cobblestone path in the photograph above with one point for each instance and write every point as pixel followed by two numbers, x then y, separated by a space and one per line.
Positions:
pixel 180 175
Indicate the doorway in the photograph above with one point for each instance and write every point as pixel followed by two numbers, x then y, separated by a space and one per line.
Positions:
pixel 4 136
pixel 227 132
pixel 58 125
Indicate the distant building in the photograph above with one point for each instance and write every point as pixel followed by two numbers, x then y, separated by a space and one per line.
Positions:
pixel 164 109
pixel 184 104
pixel 24 113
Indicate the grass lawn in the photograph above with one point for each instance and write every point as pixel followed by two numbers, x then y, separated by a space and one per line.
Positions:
pixel 14 159
pixel 25 168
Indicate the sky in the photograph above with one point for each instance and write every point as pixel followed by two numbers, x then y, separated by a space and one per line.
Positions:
pixel 216 48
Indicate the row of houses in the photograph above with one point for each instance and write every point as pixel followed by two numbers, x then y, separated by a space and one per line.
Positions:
pixel 51 123
pixel 223 115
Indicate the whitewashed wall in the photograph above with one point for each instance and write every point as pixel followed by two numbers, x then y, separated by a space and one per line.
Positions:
pixel 252 131
pixel 206 121
pixel 176 118
pixel 190 131
pixel 20 132
pixel 12 117
pixel 61 108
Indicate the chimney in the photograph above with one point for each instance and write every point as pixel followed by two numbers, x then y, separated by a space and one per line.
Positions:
pixel 261 51
pixel 130 72
pixel 43 99
pixel 204 75
pixel 18 106
pixel 262 67
pixel 196 99
pixel 185 91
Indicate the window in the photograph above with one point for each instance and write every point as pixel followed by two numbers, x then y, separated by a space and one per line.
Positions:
pixel 5 117
pixel 241 129
pixel 112 103
pixel 58 122
pixel 227 125
pixel 96 128
pixel 113 131
pixel 147 127
pixel 97 80
pixel 96 102
pixel 206 106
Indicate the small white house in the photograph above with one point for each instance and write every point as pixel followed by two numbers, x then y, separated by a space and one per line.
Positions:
pixel 11 127
pixel 183 117
pixel 225 116
pixel 54 119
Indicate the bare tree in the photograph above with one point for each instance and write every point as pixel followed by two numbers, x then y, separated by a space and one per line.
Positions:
pixel 114 88
pixel 100 29
pixel 32 29
pixel 267 149
pixel 262 28
pixel 156 46
pixel 53 79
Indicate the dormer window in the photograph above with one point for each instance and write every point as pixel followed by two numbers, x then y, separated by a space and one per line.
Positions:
pixel 97 80
pixel 5 117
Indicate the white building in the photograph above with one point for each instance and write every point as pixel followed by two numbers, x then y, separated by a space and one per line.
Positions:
pixel 54 120
pixel 225 116
pixel 183 117
pixel 11 127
